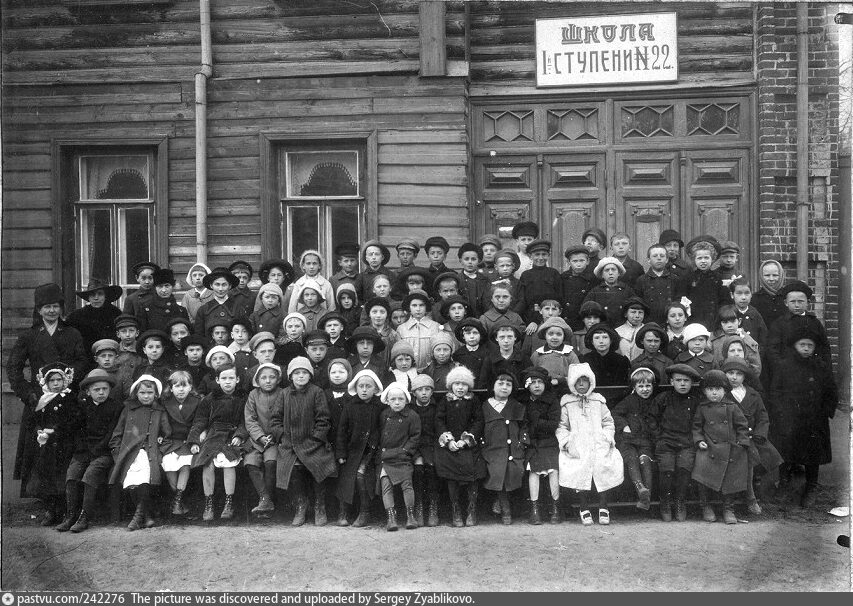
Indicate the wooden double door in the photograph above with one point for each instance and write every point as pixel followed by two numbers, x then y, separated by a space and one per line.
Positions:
pixel 622 166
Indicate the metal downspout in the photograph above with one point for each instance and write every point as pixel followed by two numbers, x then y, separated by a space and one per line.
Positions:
pixel 802 140
pixel 205 72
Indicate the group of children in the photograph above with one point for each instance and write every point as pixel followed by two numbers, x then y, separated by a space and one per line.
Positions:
pixel 439 382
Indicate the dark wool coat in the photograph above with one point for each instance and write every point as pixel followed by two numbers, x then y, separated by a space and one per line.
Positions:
pixel 753 324
pixel 399 436
pixel 504 442
pixel 336 406
pixel 438 373
pixel 575 290
pixel 760 450
pixel 159 370
pixel 429 437
pixel 284 353
pixel 43 467
pixel 213 311
pixel 477 292
pixel 269 320
pixel 376 364
pixel 706 292
pixel 543 418
pixel 494 364
pixel 781 331
pixel 701 363
pixel 724 465
pixel 134 300
pixel 357 440
pixel 198 374
pixel 472 360
pixel 493 316
pixel 139 427
pixel 657 291
pixel 633 271
pixel 534 285
pixel 610 370
pixel 257 415
pixel 181 417
pixel 803 397
pixel 300 424
pixel 675 347
pixel 672 418
pixel 36 347
pixel 245 298
pixel 657 363
pixel 93 426
pixel 770 306
pixel 94 323
pixel 611 299
pixel 636 413
pixel 222 417
pixel 680 267
pixel 156 312
pixel 462 418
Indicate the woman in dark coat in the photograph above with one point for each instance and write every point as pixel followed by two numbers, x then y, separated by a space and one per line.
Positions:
pixel 49 340
pixel 803 397
pixel 609 366
pixel 96 320
pixel 356 442
pixel 300 425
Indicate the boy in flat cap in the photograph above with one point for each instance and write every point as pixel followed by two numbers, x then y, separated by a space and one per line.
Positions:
pixel 347 254
pixel 436 249
pixel 537 283
pixel 489 245
pixel 242 294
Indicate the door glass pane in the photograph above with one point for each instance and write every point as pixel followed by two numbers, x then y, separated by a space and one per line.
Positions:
pixel 344 224
pixel 95 245
pixel 114 178
pixel 322 174
pixel 134 242
pixel 304 230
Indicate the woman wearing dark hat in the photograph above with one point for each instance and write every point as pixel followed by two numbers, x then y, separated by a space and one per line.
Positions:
pixel 610 367
pixel 222 308
pixel 96 320
pixel 49 340
pixel 157 311
pixel 804 397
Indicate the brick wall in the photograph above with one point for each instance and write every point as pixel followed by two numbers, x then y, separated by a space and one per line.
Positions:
pixel 777 149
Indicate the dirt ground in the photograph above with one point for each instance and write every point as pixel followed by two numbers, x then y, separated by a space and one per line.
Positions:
pixel 786 548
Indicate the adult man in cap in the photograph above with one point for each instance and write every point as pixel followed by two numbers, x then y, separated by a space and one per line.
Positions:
pixel 144 273
pixel 96 320
pixel 49 340
pixel 524 233
pixel 242 294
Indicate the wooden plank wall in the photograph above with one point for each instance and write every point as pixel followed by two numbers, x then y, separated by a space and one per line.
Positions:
pixel 715 41
pixel 75 73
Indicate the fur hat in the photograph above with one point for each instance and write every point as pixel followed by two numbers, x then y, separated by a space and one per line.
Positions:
pixel 275 367
pixel 525 228
pixel 805 332
pixel 470 247
pixel 300 362
pixel 112 292
pixel 421 381
pixel 442 338
pixel 146 377
pixel 363 373
pixel 715 378
pixel 460 374
pixel 95 376
pixel 438 241
pixel 47 294
pixel 670 235
pixel 608 261
pixel 395 386
pixel 559 323
pixel 215 350
pixel 691 331
pixel 164 276
pixel 535 372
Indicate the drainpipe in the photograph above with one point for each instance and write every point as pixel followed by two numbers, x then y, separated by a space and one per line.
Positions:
pixel 201 77
pixel 802 140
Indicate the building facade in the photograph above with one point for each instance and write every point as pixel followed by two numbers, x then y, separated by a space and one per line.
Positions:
pixel 328 121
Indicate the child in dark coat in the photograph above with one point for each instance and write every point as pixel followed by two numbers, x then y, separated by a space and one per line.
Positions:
pixel 543 417
pixel 504 441
pixel 652 339
pixel 537 283
pixel 399 435
pixel 135 445
pixel 634 433
pixel 181 405
pixel 697 354
pixel 474 349
pixel 299 423
pixel 459 425
pixel 610 367
pixel 261 459
pixel 704 286
pixel 221 416
pixel 673 413
pixel 611 293
pixel 424 479
pixel 340 374
pixel 356 442
pixel 721 434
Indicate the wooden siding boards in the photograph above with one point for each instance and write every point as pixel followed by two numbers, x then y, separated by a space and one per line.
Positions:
pixel 715 42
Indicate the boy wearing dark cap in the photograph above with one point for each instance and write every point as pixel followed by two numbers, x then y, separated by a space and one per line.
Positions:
pixel 489 245
pixel 524 233
pixel 242 294
pixel 144 274
pixel 673 244
pixel 127 358
pixel 727 262
pixel 537 283
pixel 316 343
pixel 620 247
pixel 158 310
pixel 576 282
pixel 333 323
pixel 193 348
pixel 475 285
pixel 594 240
pixel 796 296
pixel 436 248
pixel 346 254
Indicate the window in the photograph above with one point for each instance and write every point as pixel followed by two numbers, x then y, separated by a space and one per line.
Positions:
pixel 322 195
pixel 111 196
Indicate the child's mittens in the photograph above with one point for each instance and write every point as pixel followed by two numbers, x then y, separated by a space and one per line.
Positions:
pixel 41 437
pixel 445 438
pixel 452 446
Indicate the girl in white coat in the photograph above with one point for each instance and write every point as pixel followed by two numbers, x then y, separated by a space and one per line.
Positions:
pixel 587 447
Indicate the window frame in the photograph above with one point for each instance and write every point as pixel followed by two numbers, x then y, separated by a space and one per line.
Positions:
pixel 64 219
pixel 272 216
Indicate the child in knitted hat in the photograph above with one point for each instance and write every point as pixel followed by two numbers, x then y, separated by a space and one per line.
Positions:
pixel 441 346
pixel 270 315
pixel 402 363
pixel 721 434
pixel 260 460
pixel 424 478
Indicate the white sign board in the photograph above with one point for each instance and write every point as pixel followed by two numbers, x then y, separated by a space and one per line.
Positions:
pixel 607 49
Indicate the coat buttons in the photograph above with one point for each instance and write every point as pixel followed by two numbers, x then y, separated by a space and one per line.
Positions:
pixel 509 458
pixel 507 421
pixel 509 441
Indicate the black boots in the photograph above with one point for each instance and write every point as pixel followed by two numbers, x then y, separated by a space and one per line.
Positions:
pixel 643 496
pixel 506 515
pixel 138 518
pixel 391 525
pixel 178 507
pixel 729 516
pixel 535 518
pixel 82 522
pixel 364 503
pixel 432 516
pixel 411 522
pixel 554 511
pixel 301 510
pixel 682 481
pixel 666 496
pixel 228 508
pixel 473 489
pixel 208 514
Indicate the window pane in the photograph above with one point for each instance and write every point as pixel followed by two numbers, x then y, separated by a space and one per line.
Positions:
pixel 96 245
pixel 322 174
pixel 304 230
pixel 114 178
pixel 344 221
pixel 135 242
